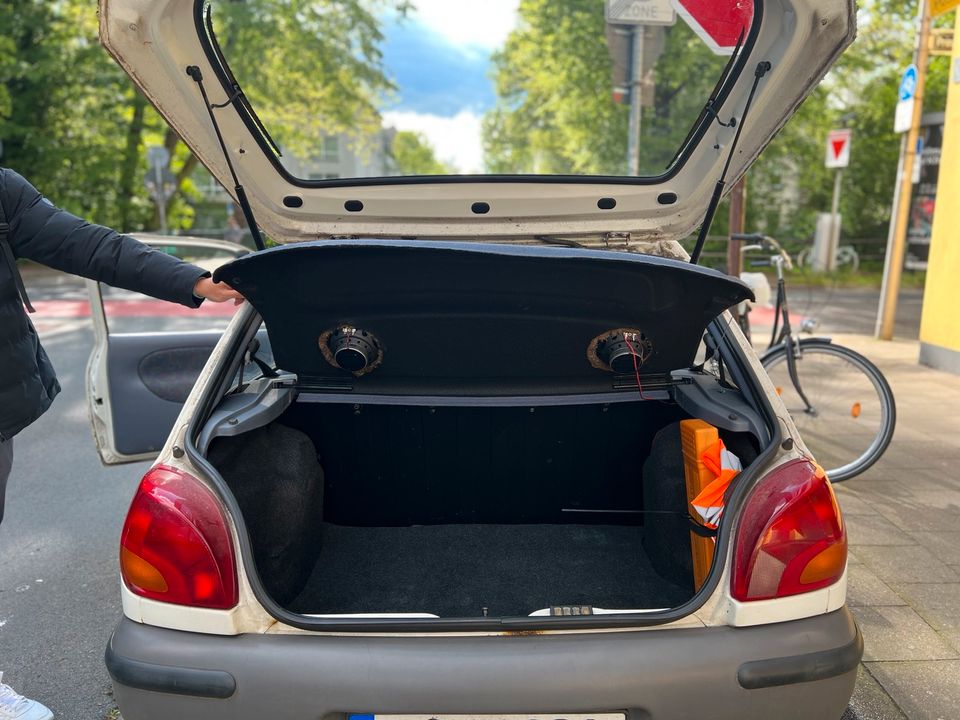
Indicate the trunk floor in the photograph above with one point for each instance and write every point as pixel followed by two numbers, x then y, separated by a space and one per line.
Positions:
pixel 456 570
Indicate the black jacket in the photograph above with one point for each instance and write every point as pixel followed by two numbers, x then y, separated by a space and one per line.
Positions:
pixel 41 232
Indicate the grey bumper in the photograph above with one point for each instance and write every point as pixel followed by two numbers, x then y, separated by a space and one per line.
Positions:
pixel 799 669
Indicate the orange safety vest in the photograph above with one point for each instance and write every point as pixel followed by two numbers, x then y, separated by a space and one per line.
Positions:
pixel 725 466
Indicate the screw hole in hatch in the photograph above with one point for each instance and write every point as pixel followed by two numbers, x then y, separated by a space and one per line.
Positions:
pixel 667 198
pixel 480 208
pixel 353 206
pixel 293 201
pixel 607 203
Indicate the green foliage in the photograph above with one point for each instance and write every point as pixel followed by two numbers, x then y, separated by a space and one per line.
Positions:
pixel 684 76
pixel 413 155
pixel 555 112
pixel 789 184
pixel 311 67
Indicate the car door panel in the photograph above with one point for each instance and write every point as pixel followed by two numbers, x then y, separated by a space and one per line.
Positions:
pixel 137 382
pixel 150 376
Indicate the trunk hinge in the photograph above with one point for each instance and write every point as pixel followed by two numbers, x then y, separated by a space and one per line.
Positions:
pixel 615 239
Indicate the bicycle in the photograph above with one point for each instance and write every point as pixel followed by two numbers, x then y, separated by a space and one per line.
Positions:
pixel 839 400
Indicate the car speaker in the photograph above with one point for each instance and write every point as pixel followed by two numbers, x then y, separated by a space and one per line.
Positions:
pixel 351 349
pixel 616 350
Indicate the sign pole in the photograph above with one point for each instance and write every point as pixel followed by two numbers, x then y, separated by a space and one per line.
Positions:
pixel 834 223
pixel 897 245
pixel 636 97
pixel 161 199
pixel 738 219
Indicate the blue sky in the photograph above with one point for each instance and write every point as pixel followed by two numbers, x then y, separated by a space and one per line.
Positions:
pixel 436 76
pixel 439 58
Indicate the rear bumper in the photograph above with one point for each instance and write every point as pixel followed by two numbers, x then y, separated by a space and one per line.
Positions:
pixel 800 669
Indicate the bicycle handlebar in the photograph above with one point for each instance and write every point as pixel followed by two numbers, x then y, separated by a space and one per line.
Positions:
pixel 764 240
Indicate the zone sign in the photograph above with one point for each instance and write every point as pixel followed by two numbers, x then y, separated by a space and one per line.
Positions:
pixel 838 148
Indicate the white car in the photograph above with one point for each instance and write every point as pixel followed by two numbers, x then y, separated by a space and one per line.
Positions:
pixel 434 468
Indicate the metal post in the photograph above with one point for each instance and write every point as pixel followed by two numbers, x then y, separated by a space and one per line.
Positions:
pixel 738 218
pixel 161 197
pixel 636 95
pixel 896 248
pixel 831 263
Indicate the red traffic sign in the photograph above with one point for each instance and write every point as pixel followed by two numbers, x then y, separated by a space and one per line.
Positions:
pixel 838 148
pixel 719 23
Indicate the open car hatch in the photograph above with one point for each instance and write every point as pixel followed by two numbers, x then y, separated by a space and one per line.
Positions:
pixel 155 41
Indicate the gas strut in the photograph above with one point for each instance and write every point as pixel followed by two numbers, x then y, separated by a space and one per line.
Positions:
pixel 194 72
pixel 762 69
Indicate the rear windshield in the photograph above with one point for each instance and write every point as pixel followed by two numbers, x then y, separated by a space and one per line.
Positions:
pixel 345 89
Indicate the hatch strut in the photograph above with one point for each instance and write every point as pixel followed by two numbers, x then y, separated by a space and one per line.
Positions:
pixel 194 72
pixel 762 69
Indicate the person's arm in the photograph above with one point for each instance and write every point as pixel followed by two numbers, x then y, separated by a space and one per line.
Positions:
pixel 41 232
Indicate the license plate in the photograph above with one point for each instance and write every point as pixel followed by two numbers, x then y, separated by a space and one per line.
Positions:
pixel 557 716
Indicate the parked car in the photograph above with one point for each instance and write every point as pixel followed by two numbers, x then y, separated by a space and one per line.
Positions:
pixel 434 466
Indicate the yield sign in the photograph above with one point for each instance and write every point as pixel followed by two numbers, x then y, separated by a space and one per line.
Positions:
pixel 719 23
pixel 838 148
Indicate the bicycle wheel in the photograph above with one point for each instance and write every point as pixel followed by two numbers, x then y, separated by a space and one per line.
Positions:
pixel 853 412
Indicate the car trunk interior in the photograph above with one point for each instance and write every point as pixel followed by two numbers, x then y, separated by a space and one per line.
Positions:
pixel 463 511
pixel 494 457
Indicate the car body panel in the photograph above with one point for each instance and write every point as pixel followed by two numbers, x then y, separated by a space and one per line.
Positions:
pixel 136 382
pixel 156 40
pixel 808 666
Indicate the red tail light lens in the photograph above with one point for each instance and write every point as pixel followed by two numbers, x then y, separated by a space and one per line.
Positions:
pixel 176 546
pixel 791 538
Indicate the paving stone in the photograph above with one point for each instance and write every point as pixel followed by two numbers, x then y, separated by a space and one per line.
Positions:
pixel 912 516
pixel 852 504
pixel 905 564
pixel 865 588
pixel 945 545
pixel 937 603
pixel 870 701
pixel 952 637
pixel 922 690
pixel 874 529
pixel 899 633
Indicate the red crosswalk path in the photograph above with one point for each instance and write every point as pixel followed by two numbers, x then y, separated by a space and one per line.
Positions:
pixel 130 308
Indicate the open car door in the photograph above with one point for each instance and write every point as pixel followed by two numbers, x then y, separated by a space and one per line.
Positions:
pixel 147 355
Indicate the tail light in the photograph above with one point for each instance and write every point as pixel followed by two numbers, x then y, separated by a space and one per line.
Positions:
pixel 176 546
pixel 791 538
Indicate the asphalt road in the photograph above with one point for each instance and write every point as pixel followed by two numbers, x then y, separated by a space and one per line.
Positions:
pixel 59 540
pixel 59 584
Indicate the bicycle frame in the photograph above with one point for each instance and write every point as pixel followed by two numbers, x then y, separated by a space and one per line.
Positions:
pixel 785 337
pixel 782 333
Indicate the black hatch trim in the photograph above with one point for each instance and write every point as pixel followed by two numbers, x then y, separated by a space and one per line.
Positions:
pixel 478 319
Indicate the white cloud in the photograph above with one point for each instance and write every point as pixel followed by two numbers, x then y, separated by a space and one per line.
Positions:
pixel 485 23
pixel 456 139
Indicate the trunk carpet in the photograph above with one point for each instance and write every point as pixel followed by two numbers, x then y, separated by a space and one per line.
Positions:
pixel 457 570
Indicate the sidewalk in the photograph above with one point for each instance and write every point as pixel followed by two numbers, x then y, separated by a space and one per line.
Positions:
pixel 903 523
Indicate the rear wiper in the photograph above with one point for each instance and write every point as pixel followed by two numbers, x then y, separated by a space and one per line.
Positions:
pixel 194 72
pixel 762 69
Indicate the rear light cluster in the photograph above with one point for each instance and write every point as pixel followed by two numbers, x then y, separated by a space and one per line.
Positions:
pixel 176 546
pixel 791 538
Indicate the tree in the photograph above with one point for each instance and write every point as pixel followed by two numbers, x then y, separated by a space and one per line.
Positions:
pixel 412 154
pixel 555 111
pixel 310 68
pixel 789 184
